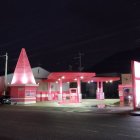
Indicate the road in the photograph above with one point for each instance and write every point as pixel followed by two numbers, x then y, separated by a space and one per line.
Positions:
pixel 27 123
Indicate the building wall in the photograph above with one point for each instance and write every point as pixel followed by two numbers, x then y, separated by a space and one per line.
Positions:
pixel 126 79
pixel 43 86
pixel 55 86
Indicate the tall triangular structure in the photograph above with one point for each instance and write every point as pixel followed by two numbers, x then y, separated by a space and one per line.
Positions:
pixel 23 86
pixel 23 73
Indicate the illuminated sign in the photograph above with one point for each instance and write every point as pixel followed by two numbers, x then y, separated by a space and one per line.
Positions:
pixel 136 83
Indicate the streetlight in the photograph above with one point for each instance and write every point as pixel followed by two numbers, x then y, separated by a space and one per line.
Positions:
pixel 5 76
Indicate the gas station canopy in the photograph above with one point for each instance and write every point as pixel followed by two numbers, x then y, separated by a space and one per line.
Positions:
pixel 73 76
pixel 103 79
pixel 70 76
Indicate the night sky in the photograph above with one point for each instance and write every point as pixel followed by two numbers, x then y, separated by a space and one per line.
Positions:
pixel 53 32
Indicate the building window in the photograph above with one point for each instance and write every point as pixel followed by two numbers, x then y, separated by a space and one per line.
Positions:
pixel 30 93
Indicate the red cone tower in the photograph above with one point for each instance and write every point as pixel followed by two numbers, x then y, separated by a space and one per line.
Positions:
pixel 23 85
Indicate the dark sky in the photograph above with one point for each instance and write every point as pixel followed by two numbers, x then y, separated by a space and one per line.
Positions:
pixel 53 32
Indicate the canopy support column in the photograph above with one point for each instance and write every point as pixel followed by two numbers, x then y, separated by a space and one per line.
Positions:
pixel 50 91
pixel 60 91
pixel 101 91
pixel 79 89
pixel 97 91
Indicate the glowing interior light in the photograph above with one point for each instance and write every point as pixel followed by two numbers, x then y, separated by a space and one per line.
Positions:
pixel 88 81
pixel 136 81
pixel 91 81
pixel 56 82
pixel 106 81
pixel 59 79
pixel 81 77
pixel 110 81
pixel 63 77
pixel 68 82
pixel 24 79
pixel 137 69
pixel 75 79
pixel 137 92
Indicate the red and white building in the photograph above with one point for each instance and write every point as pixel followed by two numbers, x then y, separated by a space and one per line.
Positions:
pixel 23 85
pixel 125 88
pixel 129 90
pixel 34 85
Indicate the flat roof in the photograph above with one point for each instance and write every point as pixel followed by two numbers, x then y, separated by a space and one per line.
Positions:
pixel 103 79
pixel 70 76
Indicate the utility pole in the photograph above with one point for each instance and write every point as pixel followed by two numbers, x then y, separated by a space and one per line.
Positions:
pixel 80 60
pixel 5 79
pixel 5 75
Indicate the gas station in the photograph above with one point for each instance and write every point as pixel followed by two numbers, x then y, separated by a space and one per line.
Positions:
pixel 72 94
pixel 24 89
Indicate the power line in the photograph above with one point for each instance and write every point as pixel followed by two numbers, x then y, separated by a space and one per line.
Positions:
pixel 79 57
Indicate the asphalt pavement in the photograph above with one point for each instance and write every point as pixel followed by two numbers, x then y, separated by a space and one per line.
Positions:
pixel 58 123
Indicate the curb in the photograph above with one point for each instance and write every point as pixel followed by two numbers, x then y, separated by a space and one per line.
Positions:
pixel 135 113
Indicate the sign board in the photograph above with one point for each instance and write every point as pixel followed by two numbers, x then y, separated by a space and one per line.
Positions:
pixel 136 83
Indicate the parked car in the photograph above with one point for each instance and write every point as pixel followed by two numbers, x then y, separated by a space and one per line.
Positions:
pixel 5 99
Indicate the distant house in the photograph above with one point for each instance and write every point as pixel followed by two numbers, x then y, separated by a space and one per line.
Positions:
pixel 40 73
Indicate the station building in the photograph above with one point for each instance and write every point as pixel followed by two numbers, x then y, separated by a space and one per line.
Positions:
pixel 125 88
pixel 31 85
